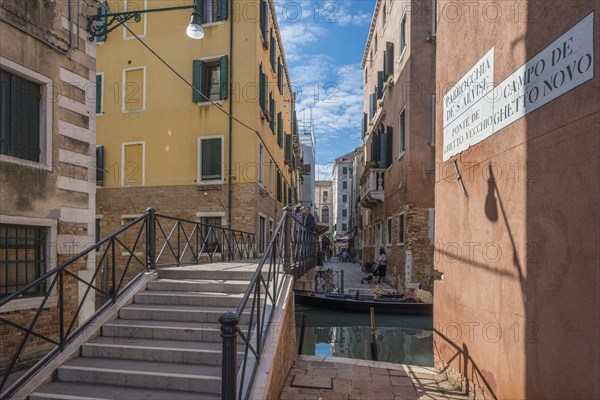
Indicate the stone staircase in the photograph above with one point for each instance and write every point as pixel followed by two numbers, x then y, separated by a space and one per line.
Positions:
pixel 165 345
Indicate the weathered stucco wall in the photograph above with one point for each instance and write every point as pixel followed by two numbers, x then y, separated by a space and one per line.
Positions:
pixel 516 313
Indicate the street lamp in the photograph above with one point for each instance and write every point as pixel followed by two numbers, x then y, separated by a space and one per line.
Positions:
pixel 101 24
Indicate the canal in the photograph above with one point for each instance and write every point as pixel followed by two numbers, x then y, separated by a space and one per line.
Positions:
pixel 404 339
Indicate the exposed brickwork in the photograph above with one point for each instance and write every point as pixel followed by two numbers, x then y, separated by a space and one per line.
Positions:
pixel 416 240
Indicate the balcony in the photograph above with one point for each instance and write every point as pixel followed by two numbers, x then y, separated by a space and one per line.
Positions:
pixel 371 188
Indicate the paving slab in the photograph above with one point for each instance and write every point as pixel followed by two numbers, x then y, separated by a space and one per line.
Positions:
pixel 324 378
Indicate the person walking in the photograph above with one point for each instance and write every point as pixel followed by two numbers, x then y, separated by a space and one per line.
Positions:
pixel 382 261
pixel 309 220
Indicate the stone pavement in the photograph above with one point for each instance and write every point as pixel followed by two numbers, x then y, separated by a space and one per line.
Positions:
pixel 352 276
pixel 324 378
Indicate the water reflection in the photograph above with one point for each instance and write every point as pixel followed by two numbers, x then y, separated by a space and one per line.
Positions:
pixel 400 338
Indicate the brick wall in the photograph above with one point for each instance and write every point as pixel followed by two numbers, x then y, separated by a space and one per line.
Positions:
pixel 417 247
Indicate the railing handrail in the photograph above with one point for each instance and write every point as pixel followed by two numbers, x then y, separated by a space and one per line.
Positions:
pixel 204 224
pixel 243 247
pixel 261 264
pixel 290 246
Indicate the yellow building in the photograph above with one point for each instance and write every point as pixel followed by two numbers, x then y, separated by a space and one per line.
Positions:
pixel 162 144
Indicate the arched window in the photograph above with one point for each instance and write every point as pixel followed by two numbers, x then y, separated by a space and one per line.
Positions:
pixel 325 215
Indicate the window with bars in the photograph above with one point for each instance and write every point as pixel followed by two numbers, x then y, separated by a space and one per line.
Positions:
pixel 22 258
pixel 212 233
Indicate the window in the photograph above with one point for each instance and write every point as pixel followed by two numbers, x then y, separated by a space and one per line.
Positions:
pixel 280 75
pixel 345 170
pixel 383 15
pixel 325 215
pixel 264 21
pixel 133 164
pixel 23 258
pixel 280 130
pixel 272 107
pixel 389 232
pixel 344 213
pixel 210 78
pixel 273 52
pixel 262 222
pixel 401 225
pixel 99 93
pixel 271 223
pixel 376 43
pixel 210 159
pixel 432 140
pixel 403 35
pixel 22 130
pixel 264 87
pixel 99 165
pixel 344 184
pixel 285 191
pixel 271 176
pixel 344 227
pixel 261 163
pixel 212 233
pixel 344 198
pixel 402 133
pixel 214 11
pixel 139 28
pixel 279 187
pixel 134 88
pixel 325 194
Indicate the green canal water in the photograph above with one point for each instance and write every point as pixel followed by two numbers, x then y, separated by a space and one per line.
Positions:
pixel 404 339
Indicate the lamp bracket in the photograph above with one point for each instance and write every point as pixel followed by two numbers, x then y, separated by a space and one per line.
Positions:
pixel 101 24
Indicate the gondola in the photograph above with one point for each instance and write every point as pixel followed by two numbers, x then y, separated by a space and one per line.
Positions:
pixel 388 304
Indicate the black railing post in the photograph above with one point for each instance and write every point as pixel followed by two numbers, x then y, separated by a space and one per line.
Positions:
pixel 229 332
pixel 61 308
pixel 151 238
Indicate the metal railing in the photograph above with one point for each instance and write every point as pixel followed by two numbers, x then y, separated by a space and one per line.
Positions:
pixel 292 250
pixel 102 272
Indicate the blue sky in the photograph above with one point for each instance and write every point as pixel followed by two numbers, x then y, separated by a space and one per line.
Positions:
pixel 324 43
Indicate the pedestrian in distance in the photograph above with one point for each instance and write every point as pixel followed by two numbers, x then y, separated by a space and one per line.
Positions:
pixel 382 263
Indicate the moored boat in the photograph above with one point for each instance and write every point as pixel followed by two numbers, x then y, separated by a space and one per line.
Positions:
pixel 389 304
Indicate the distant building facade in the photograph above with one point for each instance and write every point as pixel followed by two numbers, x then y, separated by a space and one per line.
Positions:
pixel 341 198
pixel 397 185
pixel 355 210
pixel 323 208
pixel 307 147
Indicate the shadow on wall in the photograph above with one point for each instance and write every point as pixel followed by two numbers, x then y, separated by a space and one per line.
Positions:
pixel 562 222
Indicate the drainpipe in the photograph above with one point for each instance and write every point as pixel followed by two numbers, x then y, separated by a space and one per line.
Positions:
pixel 229 180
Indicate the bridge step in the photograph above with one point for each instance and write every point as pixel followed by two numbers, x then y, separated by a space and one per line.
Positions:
pixel 82 391
pixel 174 351
pixel 165 345
pixel 199 285
pixel 175 298
pixel 143 374
pixel 235 272
pixel 175 313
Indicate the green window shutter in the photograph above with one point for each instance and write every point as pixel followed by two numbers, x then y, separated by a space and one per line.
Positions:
pixel 273 52
pixel 197 81
pixel 100 165
pixel 279 75
pixel 98 94
pixel 272 109
pixel 224 76
pixel 264 21
pixel 223 10
pixel 279 130
pixel 262 94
